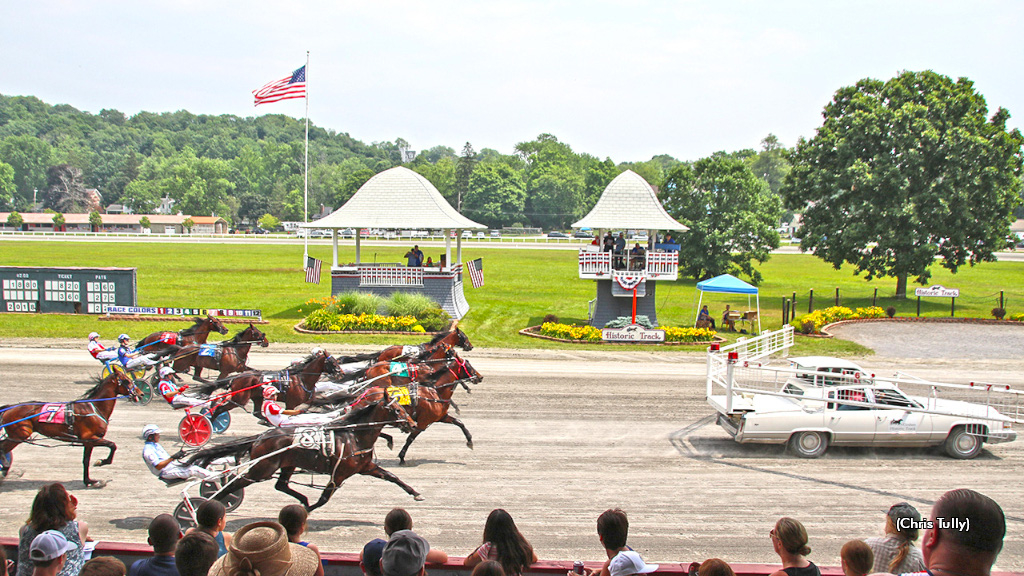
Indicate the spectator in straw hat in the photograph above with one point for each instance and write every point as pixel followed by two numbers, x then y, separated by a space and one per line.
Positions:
pixel 263 549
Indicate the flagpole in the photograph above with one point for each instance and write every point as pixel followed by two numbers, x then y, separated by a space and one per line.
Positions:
pixel 305 186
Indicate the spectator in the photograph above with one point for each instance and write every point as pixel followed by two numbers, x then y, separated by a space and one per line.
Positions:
pixel 727 321
pixel 104 566
pixel 5 563
pixel 211 517
pixel 53 509
pixel 612 530
pixel 48 552
pixel 293 517
pixel 895 552
pixel 195 553
pixel 263 548
pixel 628 563
pixel 705 316
pixel 856 558
pixel 620 249
pixel 789 538
pixel 969 541
pixel 163 536
pixel 369 558
pixel 399 519
pixel 415 257
pixel 504 543
pixel 404 555
pixel 488 568
pixel 715 567
pixel 608 243
pixel 636 257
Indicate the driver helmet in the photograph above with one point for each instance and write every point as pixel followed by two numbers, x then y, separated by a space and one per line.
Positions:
pixel 148 430
pixel 317 350
pixel 269 392
pixel 123 337
pixel 94 335
pixel 166 371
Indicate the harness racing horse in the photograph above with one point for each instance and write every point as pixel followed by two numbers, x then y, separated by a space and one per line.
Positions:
pixel 344 449
pixel 195 334
pixel 82 422
pixel 453 338
pixel 296 383
pixel 229 355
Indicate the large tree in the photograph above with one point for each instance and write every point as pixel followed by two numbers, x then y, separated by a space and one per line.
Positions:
pixel 64 189
pixel 904 171
pixel 497 195
pixel 732 215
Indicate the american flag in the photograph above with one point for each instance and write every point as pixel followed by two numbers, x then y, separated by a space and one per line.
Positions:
pixel 312 270
pixel 476 272
pixel 293 86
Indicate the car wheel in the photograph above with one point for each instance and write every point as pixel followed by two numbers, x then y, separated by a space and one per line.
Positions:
pixel 963 445
pixel 809 444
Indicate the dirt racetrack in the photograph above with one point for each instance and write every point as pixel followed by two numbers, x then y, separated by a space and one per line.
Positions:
pixel 559 438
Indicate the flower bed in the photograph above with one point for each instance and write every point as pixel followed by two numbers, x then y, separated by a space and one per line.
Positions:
pixel 813 322
pixel 590 334
pixel 361 312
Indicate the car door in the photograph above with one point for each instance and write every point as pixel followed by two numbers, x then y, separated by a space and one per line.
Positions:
pixel 894 424
pixel 850 424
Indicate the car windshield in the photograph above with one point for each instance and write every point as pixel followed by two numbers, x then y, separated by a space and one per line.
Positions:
pixel 849 395
pixel 896 398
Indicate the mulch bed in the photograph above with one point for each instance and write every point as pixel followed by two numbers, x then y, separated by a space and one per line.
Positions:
pixel 931 320
pixel 534 332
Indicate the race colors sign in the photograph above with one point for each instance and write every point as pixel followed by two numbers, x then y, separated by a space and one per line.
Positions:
pixel 226 312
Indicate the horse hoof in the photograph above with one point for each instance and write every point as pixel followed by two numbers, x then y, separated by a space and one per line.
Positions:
pixel 101 463
pixel 95 484
pixel 419 498
pixel 470 444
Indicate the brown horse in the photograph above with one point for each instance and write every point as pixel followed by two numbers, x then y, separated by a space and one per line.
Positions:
pixel 453 338
pixel 230 356
pixel 383 374
pixel 297 383
pixel 196 334
pixel 345 449
pixel 82 422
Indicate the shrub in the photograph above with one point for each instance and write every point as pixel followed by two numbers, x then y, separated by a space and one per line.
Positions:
pixel 673 334
pixel 357 303
pixel 1017 317
pixel 550 318
pixel 408 304
pixel 999 313
pixel 812 323
pixel 433 319
pixel 623 321
pixel 807 327
pixel 890 311
pixel 567 332
pixel 358 311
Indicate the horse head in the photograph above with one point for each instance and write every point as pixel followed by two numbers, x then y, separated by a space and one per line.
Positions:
pixel 464 370
pixel 125 385
pixel 332 366
pixel 253 334
pixel 393 406
pixel 463 340
pixel 216 324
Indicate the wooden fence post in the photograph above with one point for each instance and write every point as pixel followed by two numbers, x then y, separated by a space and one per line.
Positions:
pixel 874 299
pixel 810 301
pixel 918 306
pixel 837 295
pixel 785 310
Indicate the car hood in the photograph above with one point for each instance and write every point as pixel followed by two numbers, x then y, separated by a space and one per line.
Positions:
pixel 957 407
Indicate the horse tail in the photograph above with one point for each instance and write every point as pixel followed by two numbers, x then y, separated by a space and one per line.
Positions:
pixel 359 358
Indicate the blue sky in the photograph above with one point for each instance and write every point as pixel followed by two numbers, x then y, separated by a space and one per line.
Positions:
pixel 625 80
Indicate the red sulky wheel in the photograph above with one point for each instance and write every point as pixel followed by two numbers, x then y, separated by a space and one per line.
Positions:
pixel 195 429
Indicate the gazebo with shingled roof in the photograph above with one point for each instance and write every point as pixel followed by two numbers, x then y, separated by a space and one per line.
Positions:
pixel 400 199
pixel 628 203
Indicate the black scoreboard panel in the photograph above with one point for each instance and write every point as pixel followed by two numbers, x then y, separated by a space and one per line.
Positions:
pixel 66 289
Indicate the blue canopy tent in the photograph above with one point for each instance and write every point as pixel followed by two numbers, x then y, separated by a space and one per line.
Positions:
pixel 729 284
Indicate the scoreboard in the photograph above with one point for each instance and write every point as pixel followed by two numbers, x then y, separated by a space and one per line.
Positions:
pixel 70 290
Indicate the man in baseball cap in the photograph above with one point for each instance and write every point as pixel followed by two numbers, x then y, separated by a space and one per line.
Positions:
pixel 404 555
pixel 48 552
pixel 628 562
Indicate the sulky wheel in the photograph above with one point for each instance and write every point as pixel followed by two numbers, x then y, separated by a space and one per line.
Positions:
pixel 232 501
pixel 195 429
pixel 221 422
pixel 147 392
pixel 105 372
pixel 183 516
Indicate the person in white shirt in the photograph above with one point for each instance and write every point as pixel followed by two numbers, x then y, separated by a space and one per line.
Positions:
pixel 282 418
pixel 173 393
pixel 163 465
pixel 97 350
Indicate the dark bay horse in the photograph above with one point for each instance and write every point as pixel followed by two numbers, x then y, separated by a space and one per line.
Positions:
pixel 231 355
pixel 345 449
pixel 453 338
pixel 82 422
pixel 297 383
pixel 195 334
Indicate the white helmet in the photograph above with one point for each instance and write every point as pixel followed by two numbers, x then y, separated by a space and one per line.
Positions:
pixel 148 430
pixel 316 351
pixel 166 371
pixel 94 335
pixel 269 391
pixel 123 337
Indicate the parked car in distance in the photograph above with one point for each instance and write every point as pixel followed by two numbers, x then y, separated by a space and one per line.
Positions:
pixel 481 235
pixel 582 234
pixel 495 233
pixel 258 230
pixel 467 233
pixel 319 233
pixel 347 233
pixel 557 234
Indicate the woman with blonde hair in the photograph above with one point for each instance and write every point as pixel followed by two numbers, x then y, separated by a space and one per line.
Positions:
pixel 789 538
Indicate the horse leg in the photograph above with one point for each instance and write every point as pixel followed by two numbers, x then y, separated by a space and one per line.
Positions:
pixel 110 457
pixel 283 486
pixel 86 457
pixel 449 419
pixel 378 472
pixel 6 457
pixel 408 442
pixel 329 491
pixel 389 439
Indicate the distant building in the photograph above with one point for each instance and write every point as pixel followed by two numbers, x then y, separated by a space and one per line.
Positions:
pixel 130 223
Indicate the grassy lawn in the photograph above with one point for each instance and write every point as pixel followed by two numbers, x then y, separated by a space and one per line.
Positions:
pixel 522 286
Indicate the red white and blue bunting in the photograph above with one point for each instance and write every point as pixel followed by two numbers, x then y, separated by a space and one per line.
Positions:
pixel 629 281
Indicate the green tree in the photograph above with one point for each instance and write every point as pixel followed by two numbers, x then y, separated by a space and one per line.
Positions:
pixel 14 220
pixel 771 163
pixel 8 189
pixel 96 221
pixel 496 196
pixel 58 222
pixel 442 176
pixel 732 216
pixel 30 157
pixel 145 223
pixel 904 171
pixel 269 222
pixel 188 224
pixel 463 172
pixel 555 181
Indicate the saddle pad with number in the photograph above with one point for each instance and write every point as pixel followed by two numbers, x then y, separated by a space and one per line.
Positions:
pixel 53 413
pixel 210 350
pixel 399 369
pixel 414 350
pixel 400 392
pixel 169 337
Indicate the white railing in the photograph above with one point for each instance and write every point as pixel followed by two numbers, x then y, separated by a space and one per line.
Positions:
pixel 390 276
pixel 655 265
pixel 595 263
pixel 662 263
pixel 746 350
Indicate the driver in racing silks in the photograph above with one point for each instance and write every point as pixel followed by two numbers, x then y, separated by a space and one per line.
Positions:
pixel 165 466
pixel 282 418
pixel 97 350
pixel 173 393
pixel 132 359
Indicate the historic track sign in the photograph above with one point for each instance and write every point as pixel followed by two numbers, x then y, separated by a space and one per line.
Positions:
pixel 632 333
pixel 938 291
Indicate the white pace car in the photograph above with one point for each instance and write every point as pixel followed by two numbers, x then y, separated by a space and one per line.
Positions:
pixel 810 418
